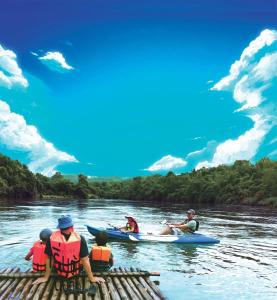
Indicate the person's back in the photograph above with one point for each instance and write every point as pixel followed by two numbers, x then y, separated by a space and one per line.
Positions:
pixel 36 253
pixel 101 257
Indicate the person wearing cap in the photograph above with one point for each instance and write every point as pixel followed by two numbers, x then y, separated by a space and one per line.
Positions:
pixel 131 225
pixel 190 225
pixel 68 251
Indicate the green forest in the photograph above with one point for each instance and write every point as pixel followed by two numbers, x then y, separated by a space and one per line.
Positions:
pixel 240 183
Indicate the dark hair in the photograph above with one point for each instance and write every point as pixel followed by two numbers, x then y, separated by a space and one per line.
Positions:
pixel 101 238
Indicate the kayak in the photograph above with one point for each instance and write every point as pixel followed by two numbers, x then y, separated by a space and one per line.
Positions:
pixel 190 238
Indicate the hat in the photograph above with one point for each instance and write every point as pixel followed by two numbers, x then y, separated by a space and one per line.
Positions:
pixel 191 211
pixel 127 215
pixel 65 222
pixel 45 234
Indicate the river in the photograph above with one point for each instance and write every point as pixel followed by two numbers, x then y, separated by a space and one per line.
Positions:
pixel 242 266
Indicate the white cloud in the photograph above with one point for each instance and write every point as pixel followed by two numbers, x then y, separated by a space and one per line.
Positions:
pixel 34 53
pixel 196 153
pixel 244 147
pixel 55 61
pixel 166 163
pixel 16 134
pixel 273 141
pixel 273 153
pixel 239 67
pixel 197 138
pixel 249 77
pixel 10 73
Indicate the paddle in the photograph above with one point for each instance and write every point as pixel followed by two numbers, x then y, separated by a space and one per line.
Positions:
pixel 164 222
pixel 114 227
pixel 132 238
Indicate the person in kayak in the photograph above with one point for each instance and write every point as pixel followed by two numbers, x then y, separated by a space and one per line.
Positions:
pixel 101 257
pixel 131 225
pixel 68 251
pixel 36 253
pixel 190 225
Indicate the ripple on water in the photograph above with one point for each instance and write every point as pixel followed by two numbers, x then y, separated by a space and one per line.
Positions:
pixel 242 266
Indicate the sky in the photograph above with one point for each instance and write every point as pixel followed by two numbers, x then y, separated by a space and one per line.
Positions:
pixel 132 88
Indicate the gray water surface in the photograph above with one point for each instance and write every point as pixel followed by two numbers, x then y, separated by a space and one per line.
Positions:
pixel 242 266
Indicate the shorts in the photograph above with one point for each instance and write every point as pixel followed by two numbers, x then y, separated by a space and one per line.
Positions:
pixel 177 231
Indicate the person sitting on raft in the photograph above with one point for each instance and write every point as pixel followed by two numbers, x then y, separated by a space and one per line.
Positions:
pixel 68 251
pixel 190 225
pixel 36 253
pixel 131 225
pixel 101 257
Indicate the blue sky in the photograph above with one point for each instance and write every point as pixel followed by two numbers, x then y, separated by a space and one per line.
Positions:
pixel 127 88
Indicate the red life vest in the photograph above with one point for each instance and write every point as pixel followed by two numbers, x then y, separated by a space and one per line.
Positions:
pixel 39 257
pixel 100 253
pixel 66 253
pixel 133 223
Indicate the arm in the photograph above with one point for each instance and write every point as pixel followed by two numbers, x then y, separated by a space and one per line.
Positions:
pixel 111 261
pixel 46 274
pixel 29 255
pixel 86 264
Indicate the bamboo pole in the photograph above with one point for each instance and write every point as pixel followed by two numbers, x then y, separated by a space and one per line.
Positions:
pixel 127 287
pixel 7 283
pixel 18 288
pixel 130 282
pixel 105 291
pixel 32 291
pixel 87 285
pixel 141 288
pixel 7 271
pixel 98 274
pixel 119 287
pixel 97 295
pixel 155 288
pixel 80 296
pixel 25 290
pixel 148 288
pixel 56 290
pixel 113 292
pixel 8 291
pixel 64 297
pixel 40 290
pixel 49 286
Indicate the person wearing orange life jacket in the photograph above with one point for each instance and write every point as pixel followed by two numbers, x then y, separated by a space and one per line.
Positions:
pixel 36 253
pixel 131 225
pixel 101 257
pixel 68 251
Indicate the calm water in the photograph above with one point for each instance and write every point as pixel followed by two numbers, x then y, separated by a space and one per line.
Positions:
pixel 242 266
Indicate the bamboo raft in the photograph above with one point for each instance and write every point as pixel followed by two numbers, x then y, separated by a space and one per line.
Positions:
pixel 120 283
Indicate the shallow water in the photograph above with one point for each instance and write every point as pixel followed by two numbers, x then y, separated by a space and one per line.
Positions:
pixel 242 266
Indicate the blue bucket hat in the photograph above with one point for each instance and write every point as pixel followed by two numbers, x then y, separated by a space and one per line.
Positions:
pixel 65 222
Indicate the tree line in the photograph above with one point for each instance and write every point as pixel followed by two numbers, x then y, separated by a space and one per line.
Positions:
pixel 18 182
pixel 240 183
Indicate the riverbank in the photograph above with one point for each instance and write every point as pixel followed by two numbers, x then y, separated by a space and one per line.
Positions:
pixel 241 183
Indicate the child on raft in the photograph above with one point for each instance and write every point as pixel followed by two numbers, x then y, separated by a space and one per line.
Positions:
pixel 37 251
pixel 101 257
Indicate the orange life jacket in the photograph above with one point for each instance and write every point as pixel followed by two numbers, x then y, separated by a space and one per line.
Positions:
pixel 66 253
pixel 100 253
pixel 39 258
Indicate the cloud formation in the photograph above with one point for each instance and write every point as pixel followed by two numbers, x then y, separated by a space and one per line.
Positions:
pixel 10 73
pixel 248 78
pixel 16 134
pixel 167 163
pixel 55 61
